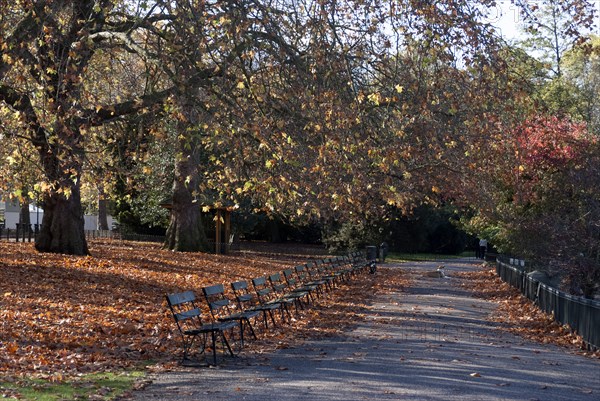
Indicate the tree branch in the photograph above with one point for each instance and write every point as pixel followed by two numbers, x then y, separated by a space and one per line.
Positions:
pixel 104 114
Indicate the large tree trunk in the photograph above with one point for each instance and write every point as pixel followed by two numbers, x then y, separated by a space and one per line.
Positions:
pixel 274 231
pixel 63 225
pixel 186 231
pixel 102 212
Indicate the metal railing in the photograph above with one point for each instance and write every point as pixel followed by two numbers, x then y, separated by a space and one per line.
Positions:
pixel 581 314
pixel 127 236
pixel 18 235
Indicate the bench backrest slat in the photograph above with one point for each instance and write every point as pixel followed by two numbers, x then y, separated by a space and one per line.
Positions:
pixel 181 298
pixel 187 315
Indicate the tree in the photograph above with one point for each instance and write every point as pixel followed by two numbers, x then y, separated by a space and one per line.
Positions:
pixel 538 199
pixel 47 50
pixel 582 72
pixel 559 198
pixel 19 171
pixel 301 106
pixel 556 26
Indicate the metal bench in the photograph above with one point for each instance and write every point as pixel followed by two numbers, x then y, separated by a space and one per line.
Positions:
pixel 266 296
pixel 314 285
pixel 296 286
pixel 247 300
pixel 284 293
pixel 188 317
pixel 222 310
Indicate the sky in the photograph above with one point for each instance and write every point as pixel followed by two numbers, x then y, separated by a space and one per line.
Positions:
pixel 507 18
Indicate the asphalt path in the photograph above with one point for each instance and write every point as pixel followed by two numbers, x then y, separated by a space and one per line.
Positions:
pixel 432 341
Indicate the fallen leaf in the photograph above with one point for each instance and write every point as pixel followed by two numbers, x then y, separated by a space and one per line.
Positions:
pixel 110 312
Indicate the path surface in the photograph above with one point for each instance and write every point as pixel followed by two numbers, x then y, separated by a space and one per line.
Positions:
pixel 431 342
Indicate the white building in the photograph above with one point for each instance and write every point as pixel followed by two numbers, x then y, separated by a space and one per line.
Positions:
pixel 9 215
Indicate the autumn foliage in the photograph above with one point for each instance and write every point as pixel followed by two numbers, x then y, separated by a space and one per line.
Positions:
pixel 547 142
pixel 65 315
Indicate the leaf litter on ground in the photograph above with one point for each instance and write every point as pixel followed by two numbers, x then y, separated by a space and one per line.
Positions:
pixel 63 316
pixel 519 315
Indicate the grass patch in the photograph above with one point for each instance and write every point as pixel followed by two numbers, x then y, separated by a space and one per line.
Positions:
pixel 396 257
pixel 95 386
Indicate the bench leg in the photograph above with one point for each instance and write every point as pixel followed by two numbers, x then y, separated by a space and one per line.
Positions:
pixel 213 335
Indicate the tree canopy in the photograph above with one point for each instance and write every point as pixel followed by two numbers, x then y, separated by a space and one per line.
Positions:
pixel 336 111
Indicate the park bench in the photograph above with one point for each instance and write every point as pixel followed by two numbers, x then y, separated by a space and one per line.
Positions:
pixel 266 296
pixel 315 277
pixel 295 286
pixel 353 264
pixel 351 269
pixel 360 263
pixel 331 271
pixel 319 271
pixel 304 277
pixel 343 267
pixel 284 294
pixel 247 300
pixel 222 310
pixel 188 317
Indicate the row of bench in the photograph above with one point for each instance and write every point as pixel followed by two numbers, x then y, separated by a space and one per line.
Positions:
pixel 263 298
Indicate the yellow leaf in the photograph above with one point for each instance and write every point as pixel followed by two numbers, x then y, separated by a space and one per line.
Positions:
pixel 241 85
pixel 374 98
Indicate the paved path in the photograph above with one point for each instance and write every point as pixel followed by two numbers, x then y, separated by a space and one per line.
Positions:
pixel 431 342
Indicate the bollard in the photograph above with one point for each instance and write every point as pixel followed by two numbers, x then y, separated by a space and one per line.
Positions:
pixel 372 267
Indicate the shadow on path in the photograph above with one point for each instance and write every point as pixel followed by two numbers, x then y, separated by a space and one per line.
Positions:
pixel 431 342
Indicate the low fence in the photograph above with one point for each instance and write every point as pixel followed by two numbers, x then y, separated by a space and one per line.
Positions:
pixel 581 314
pixel 18 235
pixel 127 236
pixel 29 235
pixel 122 236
